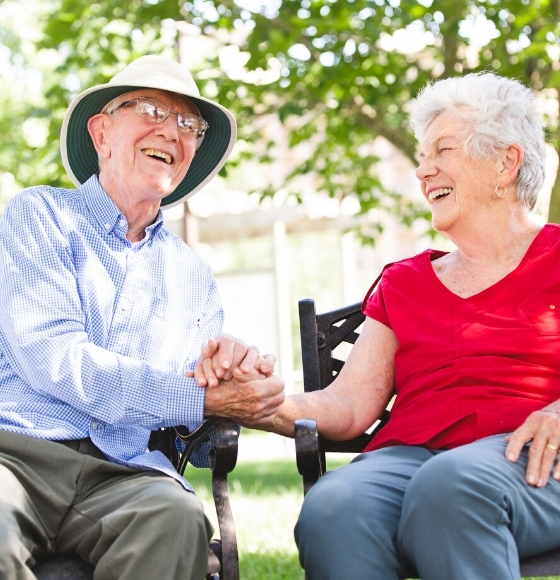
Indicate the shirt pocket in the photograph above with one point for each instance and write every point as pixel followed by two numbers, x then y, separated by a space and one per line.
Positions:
pixel 164 311
pixel 544 315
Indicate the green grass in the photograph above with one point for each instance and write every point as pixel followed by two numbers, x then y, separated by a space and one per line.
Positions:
pixel 265 500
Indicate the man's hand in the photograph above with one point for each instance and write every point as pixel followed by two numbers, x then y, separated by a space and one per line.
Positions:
pixel 542 429
pixel 219 357
pixel 250 399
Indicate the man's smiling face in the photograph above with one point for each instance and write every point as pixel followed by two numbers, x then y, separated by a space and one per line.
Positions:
pixel 142 160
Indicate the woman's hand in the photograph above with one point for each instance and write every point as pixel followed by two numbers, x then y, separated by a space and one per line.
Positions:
pixel 220 356
pixel 542 430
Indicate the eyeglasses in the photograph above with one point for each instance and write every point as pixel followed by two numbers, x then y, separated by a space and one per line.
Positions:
pixel 157 112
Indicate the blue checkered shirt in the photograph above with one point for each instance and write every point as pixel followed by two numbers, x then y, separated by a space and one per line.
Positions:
pixel 95 333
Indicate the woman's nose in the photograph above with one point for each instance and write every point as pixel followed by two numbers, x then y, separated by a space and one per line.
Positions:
pixel 426 168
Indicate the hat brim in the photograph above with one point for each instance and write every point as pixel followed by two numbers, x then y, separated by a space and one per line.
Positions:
pixel 80 158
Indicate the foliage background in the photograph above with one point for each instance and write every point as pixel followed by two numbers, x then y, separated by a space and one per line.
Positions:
pixel 337 73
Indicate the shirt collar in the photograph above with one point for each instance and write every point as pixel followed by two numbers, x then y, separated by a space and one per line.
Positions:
pixel 107 214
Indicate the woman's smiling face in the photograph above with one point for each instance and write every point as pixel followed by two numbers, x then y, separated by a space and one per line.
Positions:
pixel 456 186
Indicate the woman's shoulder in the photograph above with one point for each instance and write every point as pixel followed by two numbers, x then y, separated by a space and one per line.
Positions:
pixel 413 264
pixel 399 277
pixel 551 231
pixel 406 273
pixel 547 241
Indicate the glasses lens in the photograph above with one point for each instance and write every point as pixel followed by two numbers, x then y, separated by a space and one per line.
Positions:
pixel 158 112
pixel 151 110
pixel 191 124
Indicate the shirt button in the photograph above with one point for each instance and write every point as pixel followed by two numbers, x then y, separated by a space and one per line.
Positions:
pixel 94 425
pixel 122 223
pixel 107 226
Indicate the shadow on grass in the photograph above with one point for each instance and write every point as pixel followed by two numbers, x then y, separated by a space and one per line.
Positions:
pixel 257 478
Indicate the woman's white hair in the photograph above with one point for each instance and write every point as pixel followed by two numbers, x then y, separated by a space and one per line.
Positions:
pixel 500 111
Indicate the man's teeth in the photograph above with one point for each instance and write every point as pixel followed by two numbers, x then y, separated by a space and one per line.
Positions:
pixel 437 193
pixel 160 154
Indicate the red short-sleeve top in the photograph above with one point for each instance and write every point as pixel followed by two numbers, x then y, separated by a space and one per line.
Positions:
pixel 467 368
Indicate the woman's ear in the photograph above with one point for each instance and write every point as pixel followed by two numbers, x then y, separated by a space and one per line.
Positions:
pixel 97 128
pixel 511 161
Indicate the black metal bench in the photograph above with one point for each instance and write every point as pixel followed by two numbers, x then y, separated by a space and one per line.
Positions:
pixel 223 560
pixel 321 334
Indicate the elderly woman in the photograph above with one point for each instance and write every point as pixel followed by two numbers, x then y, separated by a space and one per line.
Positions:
pixel 464 478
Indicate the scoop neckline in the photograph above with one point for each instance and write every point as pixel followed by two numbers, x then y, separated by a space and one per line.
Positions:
pixel 432 255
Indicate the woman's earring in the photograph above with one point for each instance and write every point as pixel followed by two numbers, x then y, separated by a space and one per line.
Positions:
pixel 497 194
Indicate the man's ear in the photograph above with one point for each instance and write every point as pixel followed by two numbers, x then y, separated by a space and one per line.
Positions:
pixel 97 128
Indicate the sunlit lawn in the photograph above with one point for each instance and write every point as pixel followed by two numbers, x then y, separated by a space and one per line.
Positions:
pixel 265 498
pixel 265 501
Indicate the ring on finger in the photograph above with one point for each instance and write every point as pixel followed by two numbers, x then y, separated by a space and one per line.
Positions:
pixel 553 447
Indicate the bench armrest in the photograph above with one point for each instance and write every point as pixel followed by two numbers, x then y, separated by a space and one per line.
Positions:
pixel 224 434
pixel 309 458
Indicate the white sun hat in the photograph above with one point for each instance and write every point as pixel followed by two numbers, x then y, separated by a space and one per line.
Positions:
pixel 155 72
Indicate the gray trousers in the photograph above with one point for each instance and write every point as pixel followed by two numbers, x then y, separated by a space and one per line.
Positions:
pixel 450 515
pixel 67 498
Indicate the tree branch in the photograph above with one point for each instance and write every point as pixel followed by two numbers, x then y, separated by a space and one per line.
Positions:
pixel 400 139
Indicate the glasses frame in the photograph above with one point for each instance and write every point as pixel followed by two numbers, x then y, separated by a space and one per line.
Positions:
pixel 165 111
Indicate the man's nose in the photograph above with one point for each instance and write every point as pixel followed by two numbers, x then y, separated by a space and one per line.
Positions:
pixel 169 127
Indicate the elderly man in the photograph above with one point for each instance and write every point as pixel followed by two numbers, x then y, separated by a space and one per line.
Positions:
pixel 104 313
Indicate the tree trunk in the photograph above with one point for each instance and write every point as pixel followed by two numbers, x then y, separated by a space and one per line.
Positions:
pixel 554 209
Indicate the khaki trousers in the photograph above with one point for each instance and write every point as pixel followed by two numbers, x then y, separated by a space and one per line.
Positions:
pixel 67 498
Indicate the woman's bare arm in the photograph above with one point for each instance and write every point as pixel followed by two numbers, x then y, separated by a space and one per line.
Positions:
pixel 356 398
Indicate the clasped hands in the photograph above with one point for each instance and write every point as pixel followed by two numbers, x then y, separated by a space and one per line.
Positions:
pixel 542 430
pixel 240 383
